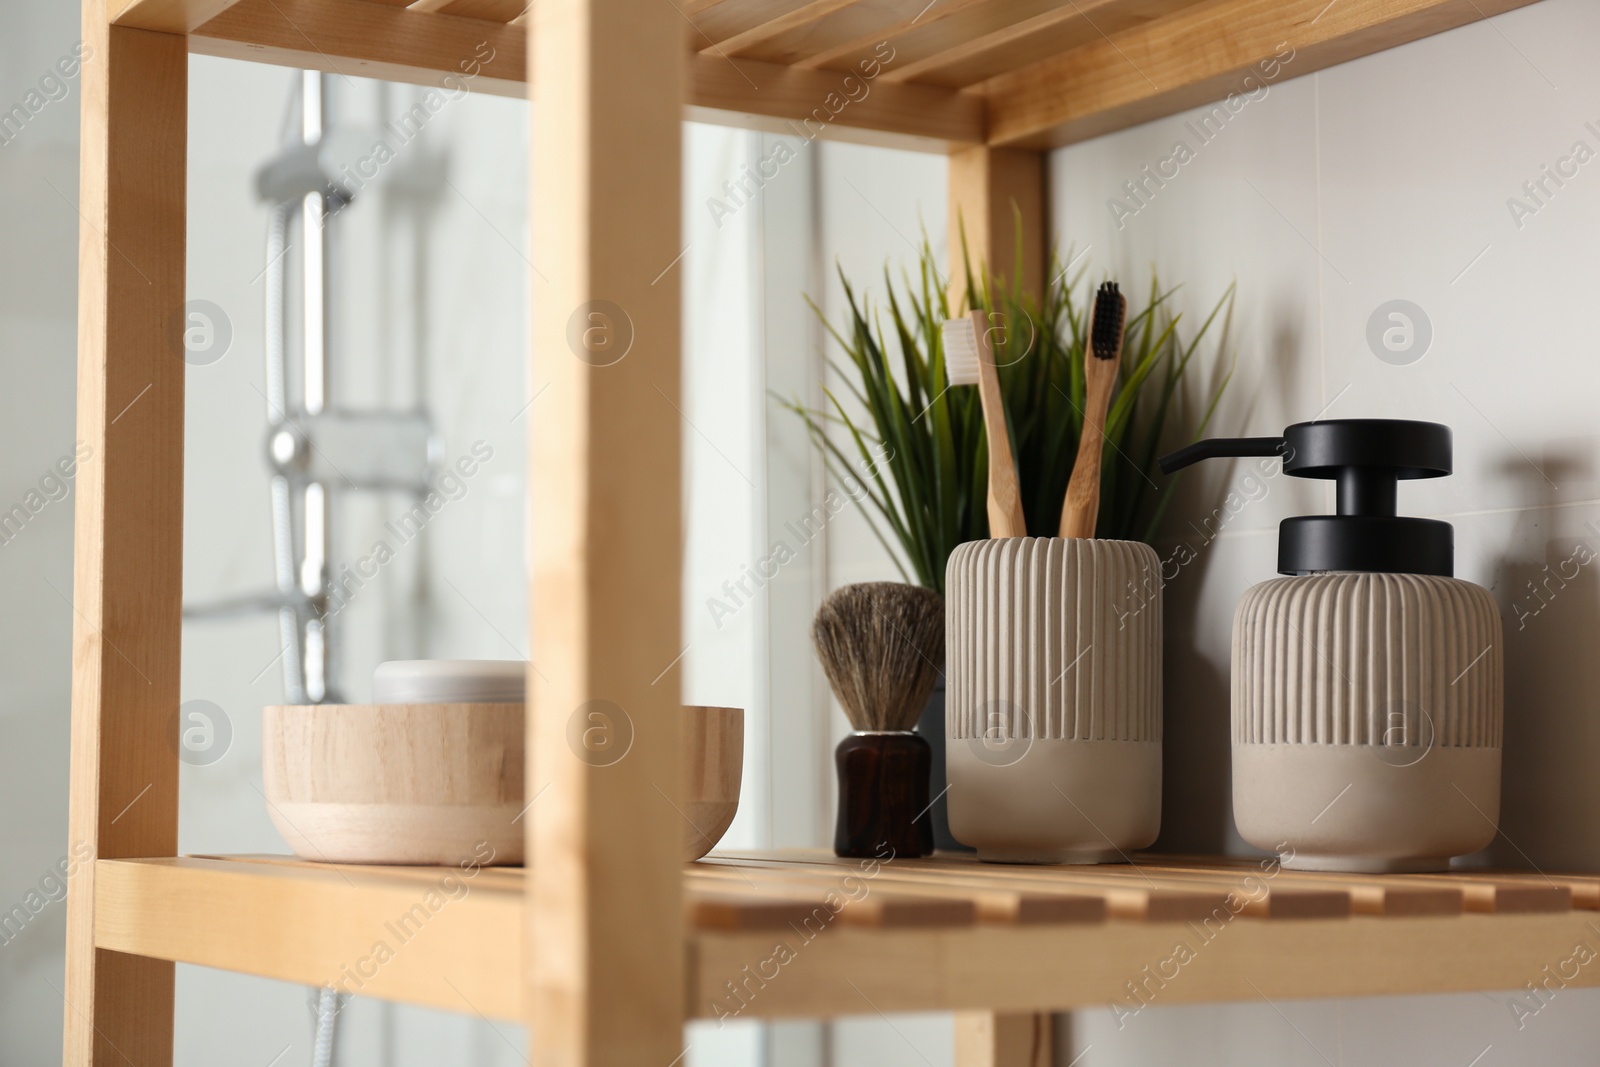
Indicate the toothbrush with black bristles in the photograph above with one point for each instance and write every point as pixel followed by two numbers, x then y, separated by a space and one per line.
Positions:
pixel 1101 358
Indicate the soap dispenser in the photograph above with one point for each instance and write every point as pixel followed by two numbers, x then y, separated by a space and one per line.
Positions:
pixel 1366 686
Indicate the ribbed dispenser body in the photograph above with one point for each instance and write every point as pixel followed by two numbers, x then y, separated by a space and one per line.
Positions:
pixel 1053 700
pixel 1367 713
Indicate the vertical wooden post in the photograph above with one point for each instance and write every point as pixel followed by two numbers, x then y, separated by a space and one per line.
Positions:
pixel 988 186
pixel 995 1039
pixel 606 835
pixel 128 562
pixel 991 191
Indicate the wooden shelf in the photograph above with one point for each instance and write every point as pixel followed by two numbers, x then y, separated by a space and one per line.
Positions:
pixel 1034 74
pixel 322 924
pixel 802 933
pixel 635 945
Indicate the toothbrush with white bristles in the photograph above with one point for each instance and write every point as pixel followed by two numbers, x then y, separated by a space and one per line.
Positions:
pixel 969 360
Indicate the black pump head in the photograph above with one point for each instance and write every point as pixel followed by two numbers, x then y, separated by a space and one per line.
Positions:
pixel 1366 457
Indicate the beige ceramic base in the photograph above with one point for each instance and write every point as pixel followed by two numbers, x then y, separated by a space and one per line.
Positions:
pixel 1054 801
pixel 1366 808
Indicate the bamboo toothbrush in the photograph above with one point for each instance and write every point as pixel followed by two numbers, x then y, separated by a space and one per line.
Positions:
pixel 969 360
pixel 1101 358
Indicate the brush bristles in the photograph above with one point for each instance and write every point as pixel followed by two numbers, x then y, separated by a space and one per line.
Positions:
pixel 882 647
pixel 960 351
pixel 1106 333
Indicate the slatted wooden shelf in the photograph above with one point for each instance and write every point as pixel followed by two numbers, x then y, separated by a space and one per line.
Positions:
pixel 1016 73
pixel 944 933
pixel 990 82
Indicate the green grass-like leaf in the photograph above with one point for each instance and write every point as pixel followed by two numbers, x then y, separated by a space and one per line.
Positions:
pixel 920 454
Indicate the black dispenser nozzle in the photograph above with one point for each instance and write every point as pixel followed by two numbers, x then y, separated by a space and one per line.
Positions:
pixel 1366 458
pixel 1220 448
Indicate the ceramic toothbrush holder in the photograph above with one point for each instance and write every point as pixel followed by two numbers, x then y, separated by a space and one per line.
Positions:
pixel 1367 720
pixel 1053 705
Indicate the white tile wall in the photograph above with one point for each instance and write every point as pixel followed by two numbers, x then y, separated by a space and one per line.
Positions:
pixel 1383 179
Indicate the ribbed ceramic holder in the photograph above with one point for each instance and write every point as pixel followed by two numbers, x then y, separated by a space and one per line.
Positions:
pixel 1367 716
pixel 1053 705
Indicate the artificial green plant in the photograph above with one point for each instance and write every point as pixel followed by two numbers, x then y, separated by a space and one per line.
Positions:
pixel 919 446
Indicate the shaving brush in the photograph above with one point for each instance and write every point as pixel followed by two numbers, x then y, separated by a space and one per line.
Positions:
pixel 882 647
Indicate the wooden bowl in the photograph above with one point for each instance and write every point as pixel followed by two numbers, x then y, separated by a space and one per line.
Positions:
pixel 436 784
pixel 713 756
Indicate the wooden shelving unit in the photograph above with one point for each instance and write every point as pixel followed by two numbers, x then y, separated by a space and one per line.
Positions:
pixel 801 933
pixel 606 944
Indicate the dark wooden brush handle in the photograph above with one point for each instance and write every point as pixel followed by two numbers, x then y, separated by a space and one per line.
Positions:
pixel 883 796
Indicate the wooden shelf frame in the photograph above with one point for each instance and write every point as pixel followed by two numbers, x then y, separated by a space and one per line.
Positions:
pixel 1010 73
pixel 618 947
pixel 762 940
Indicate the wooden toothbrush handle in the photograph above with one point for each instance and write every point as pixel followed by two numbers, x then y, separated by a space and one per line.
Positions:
pixel 1081 510
pixel 1005 498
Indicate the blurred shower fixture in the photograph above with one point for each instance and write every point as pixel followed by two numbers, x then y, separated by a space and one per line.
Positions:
pixel 299 170
pixel 316 452
pixel 356 449
pixel 335 165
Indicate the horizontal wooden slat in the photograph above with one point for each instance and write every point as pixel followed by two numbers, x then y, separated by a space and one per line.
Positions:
pixel 1138 903
pixel 1149 899
pixel 1054 968
pixel 712 910
pixel 1585 888
pixel 938 32
pixel 168 16
pixel 945 933
pixel 718 21
pixel 1252 893
pixel 992 903
pixel 462 951
pixel 1200 54
pixel 883 908
pixel 1522 893
pixel 1007 35
pixel 833 29
pixel 798 21
pixel 809 103
pixel 366 39
pixel 357 38
pixel 490 10
pixel 1384 896
pixel 1508 896
pixel 1025 73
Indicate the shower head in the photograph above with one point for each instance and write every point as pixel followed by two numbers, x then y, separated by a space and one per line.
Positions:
pixel 297 171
